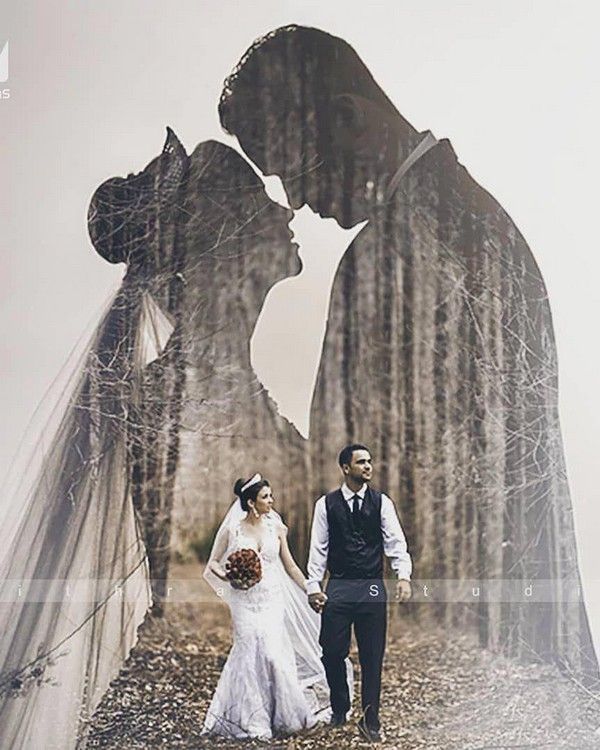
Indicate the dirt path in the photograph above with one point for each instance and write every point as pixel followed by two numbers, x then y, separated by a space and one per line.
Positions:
pixel 438 694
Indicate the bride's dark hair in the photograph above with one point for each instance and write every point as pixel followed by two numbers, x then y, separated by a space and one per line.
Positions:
pixel 251 493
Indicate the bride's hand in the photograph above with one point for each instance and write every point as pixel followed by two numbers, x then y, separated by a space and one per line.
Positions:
pixel 219 571
pixel 317 601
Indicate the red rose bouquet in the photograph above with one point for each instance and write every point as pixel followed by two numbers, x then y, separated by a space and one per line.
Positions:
pixel 243 568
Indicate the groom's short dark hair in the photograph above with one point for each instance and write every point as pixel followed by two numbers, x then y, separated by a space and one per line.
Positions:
pixel 345 456
pixel 276 66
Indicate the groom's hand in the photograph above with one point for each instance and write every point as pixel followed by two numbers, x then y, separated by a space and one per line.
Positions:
pixel 317 601
pixel 403 590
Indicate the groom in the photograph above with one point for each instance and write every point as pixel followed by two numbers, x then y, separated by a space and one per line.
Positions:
pixel 353 527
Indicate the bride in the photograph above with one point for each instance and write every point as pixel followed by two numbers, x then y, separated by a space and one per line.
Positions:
pixel 273 682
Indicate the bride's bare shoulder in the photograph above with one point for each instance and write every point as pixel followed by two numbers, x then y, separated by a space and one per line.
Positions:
pixel 279 526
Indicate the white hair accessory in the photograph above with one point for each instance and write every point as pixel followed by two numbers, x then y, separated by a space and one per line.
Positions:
pixel 255 480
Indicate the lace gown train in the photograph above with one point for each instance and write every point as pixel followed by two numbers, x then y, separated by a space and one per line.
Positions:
pixel 258 693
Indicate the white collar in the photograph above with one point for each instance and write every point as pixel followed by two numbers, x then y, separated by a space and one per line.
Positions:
pixel 348 494
pixel 427 142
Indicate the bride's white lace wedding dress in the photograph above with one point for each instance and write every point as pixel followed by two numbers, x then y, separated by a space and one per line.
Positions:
pixel 259 693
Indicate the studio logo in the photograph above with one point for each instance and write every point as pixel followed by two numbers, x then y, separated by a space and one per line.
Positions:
pixel 4 63
pixel 4 93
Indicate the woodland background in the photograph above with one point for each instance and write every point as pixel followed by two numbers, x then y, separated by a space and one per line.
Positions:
pixel 510 86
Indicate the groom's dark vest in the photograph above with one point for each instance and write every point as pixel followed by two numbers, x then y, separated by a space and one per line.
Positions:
pixel 354 552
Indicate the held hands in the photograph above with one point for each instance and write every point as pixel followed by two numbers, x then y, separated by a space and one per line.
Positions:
pixel 317 601
pixel 403 590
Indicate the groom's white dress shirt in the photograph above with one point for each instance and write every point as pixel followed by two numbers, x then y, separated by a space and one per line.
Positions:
pixel 394 541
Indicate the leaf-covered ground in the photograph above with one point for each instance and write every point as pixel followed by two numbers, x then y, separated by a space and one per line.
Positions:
pixel 438 694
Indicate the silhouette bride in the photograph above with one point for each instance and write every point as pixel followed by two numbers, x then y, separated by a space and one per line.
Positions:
pixel 162 390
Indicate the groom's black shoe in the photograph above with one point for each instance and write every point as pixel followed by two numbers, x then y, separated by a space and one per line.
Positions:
pixel 371 735
pixel 337 720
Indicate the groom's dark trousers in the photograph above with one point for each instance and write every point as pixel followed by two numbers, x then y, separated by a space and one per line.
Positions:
pixel 361 603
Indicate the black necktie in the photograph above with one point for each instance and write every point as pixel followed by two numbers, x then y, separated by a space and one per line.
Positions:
pixel 355 511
